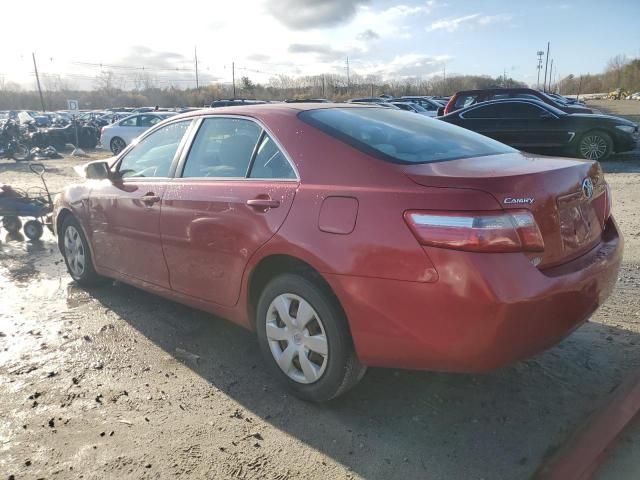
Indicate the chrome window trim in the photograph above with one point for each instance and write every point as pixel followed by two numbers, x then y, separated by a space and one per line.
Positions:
pixel 201 118
pixel 479 105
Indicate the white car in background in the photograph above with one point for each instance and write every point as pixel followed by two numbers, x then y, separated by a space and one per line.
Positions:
pixel 121 133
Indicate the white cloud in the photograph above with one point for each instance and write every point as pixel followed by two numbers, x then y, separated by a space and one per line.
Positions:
pixel 453 24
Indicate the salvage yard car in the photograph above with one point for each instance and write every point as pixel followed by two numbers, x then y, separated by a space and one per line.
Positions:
pixel 120 134
pixel 538 127
pixel 350 236
pixel 467 98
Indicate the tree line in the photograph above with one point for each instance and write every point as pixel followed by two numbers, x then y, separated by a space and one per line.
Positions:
pixel 620 73
pixel 107 93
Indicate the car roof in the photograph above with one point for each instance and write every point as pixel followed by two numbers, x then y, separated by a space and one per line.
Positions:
pixel 539 103
pixel 497 89
pixel 259 110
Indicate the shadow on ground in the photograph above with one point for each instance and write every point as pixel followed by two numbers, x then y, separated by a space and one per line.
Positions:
pixel 419 424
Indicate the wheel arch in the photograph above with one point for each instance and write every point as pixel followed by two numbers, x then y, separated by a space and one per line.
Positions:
pixel 275 264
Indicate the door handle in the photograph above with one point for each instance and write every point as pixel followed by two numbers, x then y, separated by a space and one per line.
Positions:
pixel 263 203
pixel 150 198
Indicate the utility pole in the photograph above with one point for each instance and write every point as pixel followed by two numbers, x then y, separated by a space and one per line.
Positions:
pixel 323 86
pixel 233 78
pixel 195 51
pixel 504 77
pixel 544 86
pixel 540 54
pixel 550 74
pixel 579 86
pixel 35 67
pixel 348 82
pixel 444 77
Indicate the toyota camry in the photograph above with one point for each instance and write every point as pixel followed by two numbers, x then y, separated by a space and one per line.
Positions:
pixel 349 237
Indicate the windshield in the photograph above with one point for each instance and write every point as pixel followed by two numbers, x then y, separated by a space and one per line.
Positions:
pixel 394 136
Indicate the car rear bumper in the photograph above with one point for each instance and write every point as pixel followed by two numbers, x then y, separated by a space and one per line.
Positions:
pixel 485 311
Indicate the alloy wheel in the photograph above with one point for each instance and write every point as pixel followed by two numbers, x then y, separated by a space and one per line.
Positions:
pixel 74 251
pixel 297 338
pixel 593 147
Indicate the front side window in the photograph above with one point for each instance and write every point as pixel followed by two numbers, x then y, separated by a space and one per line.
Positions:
pixel 394 136
pixel 222 148
pixel 270 162
pixel 153 155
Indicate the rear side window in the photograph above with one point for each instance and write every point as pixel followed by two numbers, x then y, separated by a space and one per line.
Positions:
pixel 270 162
pixel 394 136
pixel 129 122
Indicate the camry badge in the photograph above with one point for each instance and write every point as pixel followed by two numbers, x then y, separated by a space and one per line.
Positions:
pixel 587 187
pixel 518 201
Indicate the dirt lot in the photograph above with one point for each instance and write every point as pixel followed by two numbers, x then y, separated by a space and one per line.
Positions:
pixel 117 383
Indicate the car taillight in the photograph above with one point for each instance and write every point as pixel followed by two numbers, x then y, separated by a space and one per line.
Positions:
pixel 512 231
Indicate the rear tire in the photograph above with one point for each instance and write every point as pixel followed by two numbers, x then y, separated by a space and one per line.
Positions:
pixel 595 145
pixel 33 230
pixel 117 145
pixel 304 337
pixel 12 224
pixel 77 255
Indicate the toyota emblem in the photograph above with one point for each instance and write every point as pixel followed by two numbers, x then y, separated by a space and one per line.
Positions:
pixel 587 187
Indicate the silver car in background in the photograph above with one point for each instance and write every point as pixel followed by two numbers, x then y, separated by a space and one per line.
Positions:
pixel 121 133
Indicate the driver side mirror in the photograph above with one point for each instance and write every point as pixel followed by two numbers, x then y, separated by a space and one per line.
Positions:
pixel 97 171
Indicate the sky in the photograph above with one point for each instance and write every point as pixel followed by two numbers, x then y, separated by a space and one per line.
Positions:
pixel 77 41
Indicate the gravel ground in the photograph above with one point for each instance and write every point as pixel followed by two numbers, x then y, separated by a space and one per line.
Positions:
pixel 118 383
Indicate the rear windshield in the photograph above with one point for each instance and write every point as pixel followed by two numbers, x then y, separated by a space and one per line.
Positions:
pixel 401 137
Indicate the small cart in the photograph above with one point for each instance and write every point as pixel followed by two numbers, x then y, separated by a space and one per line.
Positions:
pixel 35 203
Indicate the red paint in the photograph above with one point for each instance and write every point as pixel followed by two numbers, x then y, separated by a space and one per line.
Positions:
pixel 408 306
pixel 338 215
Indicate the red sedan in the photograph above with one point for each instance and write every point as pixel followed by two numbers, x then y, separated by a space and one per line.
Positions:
pixel 350 236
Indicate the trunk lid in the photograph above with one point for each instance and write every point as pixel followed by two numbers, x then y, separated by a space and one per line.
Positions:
pixel 555 190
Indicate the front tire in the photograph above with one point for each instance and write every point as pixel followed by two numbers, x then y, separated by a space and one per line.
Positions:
pixel 595 145
pixel 304 337
pixel 76 253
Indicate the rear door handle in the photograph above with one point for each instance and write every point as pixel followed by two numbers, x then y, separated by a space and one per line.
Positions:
pixel 150 198
pixel 263 203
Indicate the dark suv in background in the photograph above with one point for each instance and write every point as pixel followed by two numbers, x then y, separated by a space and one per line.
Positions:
pixel 466 98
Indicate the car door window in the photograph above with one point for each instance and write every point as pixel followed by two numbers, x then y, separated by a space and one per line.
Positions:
pixel 270 162
pixel 153 155
pixel 523 111
pixel 130 122
pixel 483 112
pixel 222 148
pixel 149 120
